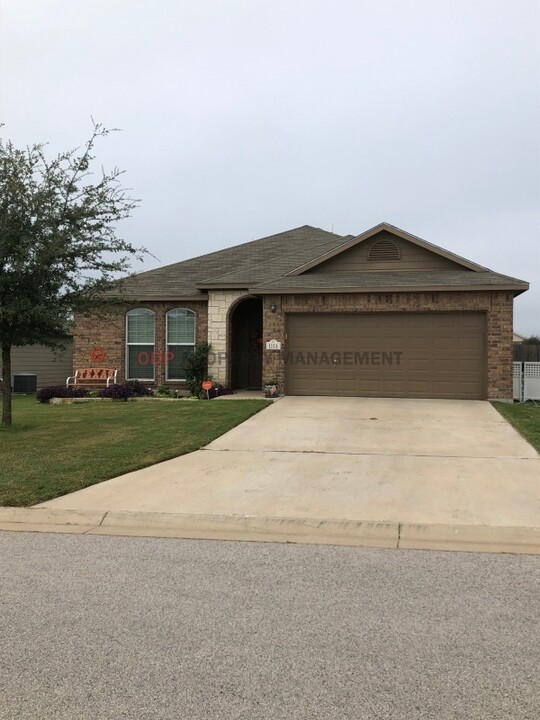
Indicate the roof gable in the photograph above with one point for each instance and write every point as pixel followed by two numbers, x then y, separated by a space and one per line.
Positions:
pixel 358 254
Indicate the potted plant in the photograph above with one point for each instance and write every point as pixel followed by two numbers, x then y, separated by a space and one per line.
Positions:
pixel 271 388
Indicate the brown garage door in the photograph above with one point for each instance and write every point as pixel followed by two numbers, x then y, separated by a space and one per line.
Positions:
pixel 417 355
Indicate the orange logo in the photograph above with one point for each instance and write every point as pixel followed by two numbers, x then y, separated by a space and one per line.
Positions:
pixel 97 355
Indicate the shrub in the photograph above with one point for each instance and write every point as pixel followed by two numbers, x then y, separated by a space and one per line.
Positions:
pixel 45 394
pixel 219 390
pixel 117 392
pixel 164 391
pixel 139 390
pixel 196 367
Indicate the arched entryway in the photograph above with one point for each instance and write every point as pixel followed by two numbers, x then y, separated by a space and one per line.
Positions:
pixel 245 325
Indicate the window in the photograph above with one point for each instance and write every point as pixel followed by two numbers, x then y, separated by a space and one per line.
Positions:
pixel 140 334
pixel 180 341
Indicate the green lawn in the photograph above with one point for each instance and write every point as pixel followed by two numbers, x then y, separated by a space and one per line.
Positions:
pixel 52 450
pixel 525 417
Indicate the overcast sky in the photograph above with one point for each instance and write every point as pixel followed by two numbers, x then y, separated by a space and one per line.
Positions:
pixel 243 118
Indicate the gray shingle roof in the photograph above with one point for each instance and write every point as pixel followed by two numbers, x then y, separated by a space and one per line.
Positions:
pixel 276 267
pixel 263 266
pixel 183 279
pixel 451 279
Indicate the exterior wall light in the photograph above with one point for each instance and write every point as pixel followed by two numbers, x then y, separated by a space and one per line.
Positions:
pixel 273 308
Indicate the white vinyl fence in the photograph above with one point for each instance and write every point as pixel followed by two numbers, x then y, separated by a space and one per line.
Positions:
pixel 517 379
pixel 531 381
pixel 526 381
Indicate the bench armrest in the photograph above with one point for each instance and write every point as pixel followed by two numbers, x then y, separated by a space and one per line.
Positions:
pixel 71 377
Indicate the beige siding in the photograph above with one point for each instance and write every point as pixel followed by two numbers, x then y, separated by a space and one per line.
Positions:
pixel 413 257
pixel 50 368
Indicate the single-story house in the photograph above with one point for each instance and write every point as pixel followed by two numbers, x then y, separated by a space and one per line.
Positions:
pixel 35 366
pixel 380 314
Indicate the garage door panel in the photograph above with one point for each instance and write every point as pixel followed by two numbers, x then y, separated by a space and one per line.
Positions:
pixel 444 366
pixel 418 365
pixel 443 343
pixel 470 366
pixel 468 344
pixel 440 354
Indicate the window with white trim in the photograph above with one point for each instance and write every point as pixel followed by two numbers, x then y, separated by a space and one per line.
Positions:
pixel 180 341
pixel 140 344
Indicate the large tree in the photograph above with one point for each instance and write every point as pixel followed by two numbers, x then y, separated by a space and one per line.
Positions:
pixel 59 247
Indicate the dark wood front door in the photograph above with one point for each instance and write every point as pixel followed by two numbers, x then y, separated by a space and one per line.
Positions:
pixel 246 345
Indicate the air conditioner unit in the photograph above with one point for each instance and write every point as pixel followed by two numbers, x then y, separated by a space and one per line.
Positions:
pixel 24 383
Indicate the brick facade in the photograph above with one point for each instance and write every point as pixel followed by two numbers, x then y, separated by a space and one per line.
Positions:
pixel 498 307
pixel 109 332
pixel 212 325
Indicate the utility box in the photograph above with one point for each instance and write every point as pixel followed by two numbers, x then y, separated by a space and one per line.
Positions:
pixel 24 383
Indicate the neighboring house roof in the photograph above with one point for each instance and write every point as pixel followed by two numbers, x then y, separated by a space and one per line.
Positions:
pixel 282 263
pixel 518 338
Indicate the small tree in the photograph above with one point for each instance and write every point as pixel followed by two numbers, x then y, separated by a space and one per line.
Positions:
pixel 59 251
pixel 196 367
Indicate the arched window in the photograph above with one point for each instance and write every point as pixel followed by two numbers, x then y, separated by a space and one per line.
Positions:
pixel 140 340
pixel 180 341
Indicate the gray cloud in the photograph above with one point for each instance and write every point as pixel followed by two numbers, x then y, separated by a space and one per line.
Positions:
pixel 242 118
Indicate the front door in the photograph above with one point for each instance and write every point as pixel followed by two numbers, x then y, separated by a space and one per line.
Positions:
pixel 246 345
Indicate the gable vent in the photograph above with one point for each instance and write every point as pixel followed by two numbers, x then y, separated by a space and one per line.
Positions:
pixel 384 250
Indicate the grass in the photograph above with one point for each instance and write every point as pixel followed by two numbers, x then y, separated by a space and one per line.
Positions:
pixel 525 417
pixel 52 450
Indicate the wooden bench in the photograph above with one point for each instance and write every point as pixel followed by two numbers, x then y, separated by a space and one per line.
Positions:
pixel 93 377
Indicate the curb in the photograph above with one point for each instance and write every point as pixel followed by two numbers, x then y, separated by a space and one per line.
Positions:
pixel 467 538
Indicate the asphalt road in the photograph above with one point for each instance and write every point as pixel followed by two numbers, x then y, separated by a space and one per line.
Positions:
pixel 103 628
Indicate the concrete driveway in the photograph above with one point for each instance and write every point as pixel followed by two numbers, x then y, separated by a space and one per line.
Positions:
pixel 359 459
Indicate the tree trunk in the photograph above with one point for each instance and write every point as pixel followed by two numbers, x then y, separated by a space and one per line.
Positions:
pixel 6 385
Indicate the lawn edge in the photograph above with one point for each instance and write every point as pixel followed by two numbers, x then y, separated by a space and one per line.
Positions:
pixel 498 405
